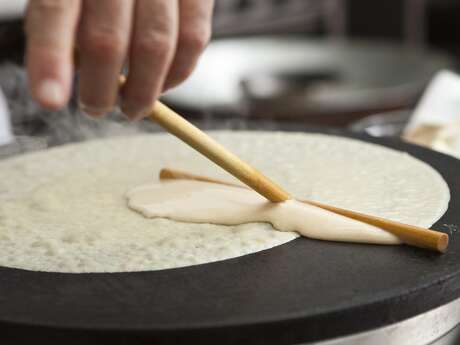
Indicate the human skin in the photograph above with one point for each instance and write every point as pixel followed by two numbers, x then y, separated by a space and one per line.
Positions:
pixel 159 40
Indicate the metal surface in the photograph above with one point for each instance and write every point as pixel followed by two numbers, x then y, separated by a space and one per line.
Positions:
pixel 303 291
pixel 362 75
pixel 429 328
pixel 451 338
pixel 389 124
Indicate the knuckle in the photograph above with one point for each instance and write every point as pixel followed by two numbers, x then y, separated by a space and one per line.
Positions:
pixel 103 43
pixel 195 40
pixel 155 44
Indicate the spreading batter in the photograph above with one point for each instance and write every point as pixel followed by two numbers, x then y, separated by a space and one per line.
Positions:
pixel 201 202
pixel 65 209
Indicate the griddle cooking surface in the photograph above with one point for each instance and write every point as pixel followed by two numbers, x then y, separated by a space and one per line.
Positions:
pixel 301 291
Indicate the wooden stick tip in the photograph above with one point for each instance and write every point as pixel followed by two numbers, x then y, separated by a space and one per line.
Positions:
pixel 166 174
pixel 443 243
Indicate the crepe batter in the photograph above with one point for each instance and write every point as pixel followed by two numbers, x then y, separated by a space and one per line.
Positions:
pixel 202 202
pixel 65 209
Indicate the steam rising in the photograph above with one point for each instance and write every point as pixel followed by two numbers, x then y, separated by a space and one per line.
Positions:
pixel 58 127
pixel 36 128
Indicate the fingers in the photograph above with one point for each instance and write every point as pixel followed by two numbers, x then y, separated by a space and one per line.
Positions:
pixel 194 34
pixel 104 35
pixel 50 28
pixel 106 27
pixel 152 49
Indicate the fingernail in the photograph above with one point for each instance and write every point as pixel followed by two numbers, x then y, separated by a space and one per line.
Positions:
pixel 85 114
pixel 51 93
pixel 91 111
pixel 134 113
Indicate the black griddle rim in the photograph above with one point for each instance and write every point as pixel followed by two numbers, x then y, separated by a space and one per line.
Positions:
pixel 190 326
pixel 295 317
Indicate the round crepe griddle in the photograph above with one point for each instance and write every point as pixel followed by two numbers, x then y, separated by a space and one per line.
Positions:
pixel 302 291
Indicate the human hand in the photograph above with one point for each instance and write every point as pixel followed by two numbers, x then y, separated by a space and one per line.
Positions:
pixel 161 40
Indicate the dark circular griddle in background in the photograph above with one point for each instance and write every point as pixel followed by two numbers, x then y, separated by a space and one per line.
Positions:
pixel 302 291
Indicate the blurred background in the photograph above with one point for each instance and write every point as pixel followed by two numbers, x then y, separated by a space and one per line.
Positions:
pixel 291 63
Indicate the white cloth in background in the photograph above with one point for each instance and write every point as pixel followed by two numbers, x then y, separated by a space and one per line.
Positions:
pixel 12 8
pixel 5 126
pixel 9 9
pixel 436 120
